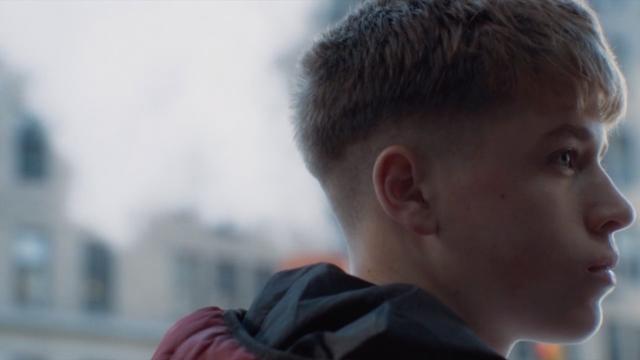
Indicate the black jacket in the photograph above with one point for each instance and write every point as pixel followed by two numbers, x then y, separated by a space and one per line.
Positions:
pixel 320 312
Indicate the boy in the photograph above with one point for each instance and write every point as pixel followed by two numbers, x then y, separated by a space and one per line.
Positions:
pixel 460 144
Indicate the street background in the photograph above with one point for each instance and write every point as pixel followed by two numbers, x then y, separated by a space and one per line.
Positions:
pixel 147 169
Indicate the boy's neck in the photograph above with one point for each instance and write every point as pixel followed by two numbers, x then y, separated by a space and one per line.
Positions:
pixel 396 264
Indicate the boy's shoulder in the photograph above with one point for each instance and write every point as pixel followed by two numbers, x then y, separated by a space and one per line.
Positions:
pixel 320 312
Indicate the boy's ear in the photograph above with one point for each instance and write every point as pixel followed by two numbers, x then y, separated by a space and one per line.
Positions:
pixel 400 191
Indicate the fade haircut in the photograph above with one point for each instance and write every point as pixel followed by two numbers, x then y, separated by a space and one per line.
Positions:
pixel 393 58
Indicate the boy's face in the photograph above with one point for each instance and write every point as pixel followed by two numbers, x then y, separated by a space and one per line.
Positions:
pixel 527 217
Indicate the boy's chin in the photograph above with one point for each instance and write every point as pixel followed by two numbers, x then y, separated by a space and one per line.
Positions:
pixel 578 327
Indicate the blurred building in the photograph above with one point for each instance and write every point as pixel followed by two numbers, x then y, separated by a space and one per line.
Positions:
pixel 189 265
pixel 67 294
pixel 56 281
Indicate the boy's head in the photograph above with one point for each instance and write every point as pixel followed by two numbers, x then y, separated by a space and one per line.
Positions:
pixel 459 143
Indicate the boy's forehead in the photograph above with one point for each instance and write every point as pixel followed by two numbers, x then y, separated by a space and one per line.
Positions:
pixel 535 118
pixel 589 131
pixel 564 96
pixel 545 119
pixel 556 94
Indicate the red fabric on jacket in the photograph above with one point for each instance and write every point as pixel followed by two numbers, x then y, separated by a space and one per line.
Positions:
pixel 202 335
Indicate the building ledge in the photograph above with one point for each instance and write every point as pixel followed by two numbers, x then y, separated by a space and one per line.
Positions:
pixel 101 327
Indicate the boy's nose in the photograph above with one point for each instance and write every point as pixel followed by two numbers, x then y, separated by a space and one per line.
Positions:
pixel 612 213
pixel 619 221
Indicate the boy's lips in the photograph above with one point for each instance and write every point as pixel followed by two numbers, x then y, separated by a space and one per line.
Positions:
pixel 602 269
pixel 604 263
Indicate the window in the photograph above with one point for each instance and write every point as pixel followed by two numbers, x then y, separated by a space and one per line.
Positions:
pixel 614 342
pixel 98 270
pixel 32 152
pixel 226 280
pixel 261 276
pixel 629 267
pixel 31 265
pixel 28 357
pixel 522 351
pixel 200 281
pixel 186 283
pixel 623 342
pixel 619 159
pixel 620 46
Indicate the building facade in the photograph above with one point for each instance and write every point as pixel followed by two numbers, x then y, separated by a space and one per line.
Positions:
pixel 67 294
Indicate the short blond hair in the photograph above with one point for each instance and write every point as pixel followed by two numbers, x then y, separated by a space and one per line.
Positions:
pixel 393 58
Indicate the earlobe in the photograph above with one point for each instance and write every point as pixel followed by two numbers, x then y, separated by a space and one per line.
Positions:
pixel 400 191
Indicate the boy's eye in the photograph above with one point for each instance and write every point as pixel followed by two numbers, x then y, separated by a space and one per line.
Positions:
pixel 566 158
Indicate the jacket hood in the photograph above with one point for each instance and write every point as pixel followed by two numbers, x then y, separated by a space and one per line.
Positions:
pixel 320 312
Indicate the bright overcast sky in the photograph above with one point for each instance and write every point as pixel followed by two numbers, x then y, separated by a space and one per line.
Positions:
pixel 156 105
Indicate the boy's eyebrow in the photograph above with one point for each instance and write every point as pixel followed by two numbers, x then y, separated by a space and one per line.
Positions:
pixel 579 132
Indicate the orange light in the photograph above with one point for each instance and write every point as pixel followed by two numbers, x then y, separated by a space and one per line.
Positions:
pixel 303 259
pixel 549 352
